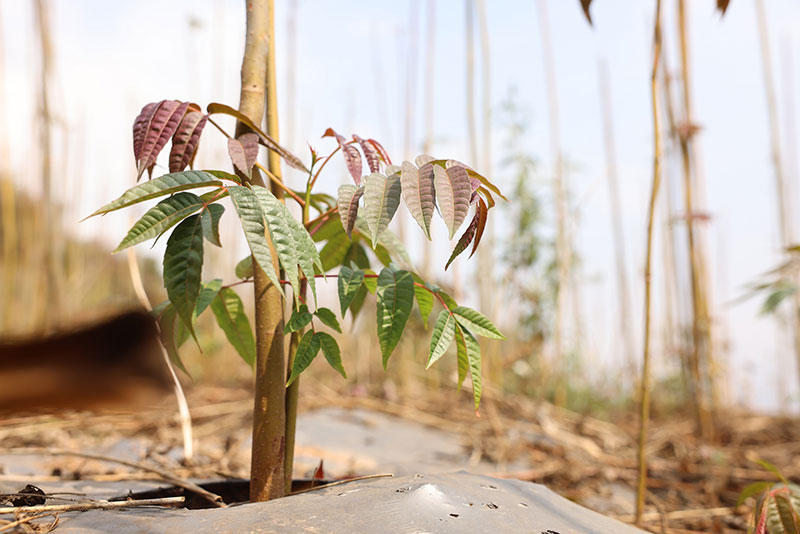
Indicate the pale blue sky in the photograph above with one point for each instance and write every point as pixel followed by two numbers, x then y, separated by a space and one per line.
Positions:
pixel 113 57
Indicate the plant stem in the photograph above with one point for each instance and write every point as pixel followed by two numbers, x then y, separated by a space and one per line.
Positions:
pixel 267 463
pixel 644 397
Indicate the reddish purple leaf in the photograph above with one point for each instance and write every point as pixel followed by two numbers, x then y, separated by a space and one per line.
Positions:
pixel 465 239
pixel 152 129
pixel 370 154
pixel 382 151
pixel 722 5
pixel 585 5
pixel 352 157
pixel 482 212
pixel 243 152
pixel 453 192
pixel 185 140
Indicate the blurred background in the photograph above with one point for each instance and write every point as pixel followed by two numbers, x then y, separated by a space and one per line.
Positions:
pixel 552 109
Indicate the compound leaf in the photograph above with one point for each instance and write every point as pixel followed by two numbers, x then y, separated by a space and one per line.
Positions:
pixel 231 317
pixel 443 332
pixel 210 219
pixel 381 199
pixel 152 129
pixel 183 265
pixel 395 297
pixel 330 349
pixel 249 209
pixel 160 218
pixel 307 350
pixel 419 193
pixel 158 187
pixel 476 322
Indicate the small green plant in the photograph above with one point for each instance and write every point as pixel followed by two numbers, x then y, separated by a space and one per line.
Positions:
pixel 349 228
pixel 777 509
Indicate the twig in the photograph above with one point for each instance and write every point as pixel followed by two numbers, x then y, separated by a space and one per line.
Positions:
pixel 340 482
pixel 21 521
pixel 679 514
pixel 185 484
pixel 93 505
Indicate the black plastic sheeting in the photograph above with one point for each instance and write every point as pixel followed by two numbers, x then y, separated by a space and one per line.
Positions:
pixel 459 502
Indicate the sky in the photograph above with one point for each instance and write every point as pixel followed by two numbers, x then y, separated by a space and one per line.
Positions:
pixel 352 64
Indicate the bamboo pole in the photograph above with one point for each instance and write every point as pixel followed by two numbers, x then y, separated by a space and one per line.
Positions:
pixel 784 223
pixel 269 415
pixel 563 252
pixel 644 385
pixel 701 354
pixel 625 324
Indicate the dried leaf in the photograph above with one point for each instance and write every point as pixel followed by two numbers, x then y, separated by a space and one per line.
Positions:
pixel 585 5
pixel 243 152
pixel 185 140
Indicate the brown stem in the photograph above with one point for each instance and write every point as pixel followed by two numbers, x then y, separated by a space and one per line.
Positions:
pixel 644 386
pixel 269 440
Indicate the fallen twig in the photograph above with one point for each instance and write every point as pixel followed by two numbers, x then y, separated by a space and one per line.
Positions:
pixel 93 505
pixel 679 514
pixel 13 524
pixel 185 484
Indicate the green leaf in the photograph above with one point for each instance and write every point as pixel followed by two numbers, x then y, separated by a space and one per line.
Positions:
pixel 208 291
pixel 370 282
pixel 358 301
pixel 389 241
pixel 476 322
pixel 772 469
pixel 419 193
pixel 381 199
pixel 756 488
pixel 329 228
pixel 462 356
pixel 249 209
pixel 299 320
pixel 307 350
pixel 450 301
pixel 349 283
pixel 229 311
pixel 210 218
pixel 183 266
pixel 330 349
pixel 158 187
pixel 443 333
pixel 160 218
pixel 424 299
pixel 395 296
pixel 167 325
pixel 474 359
pixel 244 269
pixel 349 195
pixel 292 242
pixel 328 318
pixel 335 251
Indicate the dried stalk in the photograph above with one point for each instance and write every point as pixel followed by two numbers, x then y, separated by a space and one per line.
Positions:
pixel 93 505
pixel 784 221
pixel 184 415
pixel 644 386
pixel 616 221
